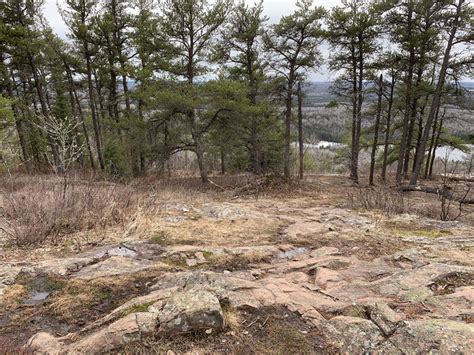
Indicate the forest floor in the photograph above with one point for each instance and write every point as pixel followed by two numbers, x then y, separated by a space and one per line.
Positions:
pixel 319 267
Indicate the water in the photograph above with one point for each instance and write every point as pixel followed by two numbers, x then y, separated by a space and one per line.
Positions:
pixel 37 297
pixel 454 154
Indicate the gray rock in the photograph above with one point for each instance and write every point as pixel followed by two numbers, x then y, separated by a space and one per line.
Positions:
pixel 223 211
pixel 438 336
pixel 191 262
pixel 352 335
pixel 115 265
pixel 191 311
pixel 384 317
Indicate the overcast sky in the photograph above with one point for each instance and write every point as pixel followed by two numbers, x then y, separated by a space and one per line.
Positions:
pixel 274 9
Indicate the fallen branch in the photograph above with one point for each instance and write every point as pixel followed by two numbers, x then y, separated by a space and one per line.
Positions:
pixel 459 178
pixel 440 191
pixel 213 183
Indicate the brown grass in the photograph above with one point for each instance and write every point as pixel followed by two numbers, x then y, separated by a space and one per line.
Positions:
pixel 264 331
pixel 39 209
pixel 84 300
pixel 379 198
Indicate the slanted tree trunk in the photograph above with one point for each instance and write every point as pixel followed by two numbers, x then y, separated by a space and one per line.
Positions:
pixel 75 113
pixel 300 131
pixel 95 119
pixel 437 95
pixel 433 157
pixel 44 107
pixel 408 100
pixel 76 106
pixel 376 131
pixel 413 119
pixel 18 119
pixel 432 141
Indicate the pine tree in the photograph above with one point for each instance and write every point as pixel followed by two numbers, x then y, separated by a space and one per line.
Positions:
pixel 294 43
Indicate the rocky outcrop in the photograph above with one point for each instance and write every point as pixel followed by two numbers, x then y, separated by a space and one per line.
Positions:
pixel 403 301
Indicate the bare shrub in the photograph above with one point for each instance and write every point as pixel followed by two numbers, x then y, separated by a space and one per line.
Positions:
pixel 379 198
pixel 39 210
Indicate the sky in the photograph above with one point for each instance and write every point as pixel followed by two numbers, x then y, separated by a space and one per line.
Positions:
pixel 274 9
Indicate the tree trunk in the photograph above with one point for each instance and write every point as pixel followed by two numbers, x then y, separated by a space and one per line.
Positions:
pixel 18 119
pixel 411 129
pixel 222 160
pixel 376 131
pixel 408 101
pixel 75 113
pixel 433 157
pixel 95 120
pixel 437 95
pixel 72 89
pixel 360 86
pixel 418 138
pixel 126 94
pixel 300 131
pixel 200 161
pixel 288 106
pixel 354 151
pixel 44 108
pixel 432 141
pixel 387 129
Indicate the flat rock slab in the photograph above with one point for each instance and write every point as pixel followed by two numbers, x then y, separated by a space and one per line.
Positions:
pixel 115 265
pixel 439 336
pixel 224 211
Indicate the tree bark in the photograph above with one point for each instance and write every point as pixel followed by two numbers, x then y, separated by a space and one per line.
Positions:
pixel 433 156
pixel 437 95
pixel 387 129
pixel 300 131
pixel 288 113
pixel 408 99
pixel 354 150
pixel 376 131
pixel 95 119
pixel 18 119
pixel 72 89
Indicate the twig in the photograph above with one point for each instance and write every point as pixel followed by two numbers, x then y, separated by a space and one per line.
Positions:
pixel 213 183
pixel 252 323
pixel 425 307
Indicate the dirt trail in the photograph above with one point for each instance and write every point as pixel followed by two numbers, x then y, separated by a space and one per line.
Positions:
pixel 337 280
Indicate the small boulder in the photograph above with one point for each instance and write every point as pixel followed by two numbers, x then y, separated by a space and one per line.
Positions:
pixel 191 311
pixel 384 317
pixel 44 343
pixel 224 211
pixel 325 278
pixel 191 262
pixel 200 258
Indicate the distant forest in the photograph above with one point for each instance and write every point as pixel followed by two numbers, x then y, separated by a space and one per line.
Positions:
pixel 140 81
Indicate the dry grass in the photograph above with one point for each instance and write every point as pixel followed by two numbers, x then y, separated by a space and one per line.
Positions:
pixel 40 209
pixel 264 331
pixel 83 300
pixel 13 296
pixel 213 232
pixel 380 198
